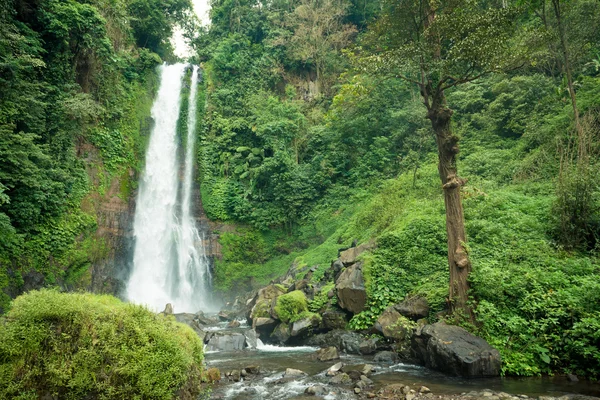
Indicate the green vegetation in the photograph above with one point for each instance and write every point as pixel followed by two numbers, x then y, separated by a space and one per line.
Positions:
pixel 291 306
pixel 76 346
pixel 311 142
pixel 75 102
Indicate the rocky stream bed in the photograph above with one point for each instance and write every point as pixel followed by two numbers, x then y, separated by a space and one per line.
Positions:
pixel 288 340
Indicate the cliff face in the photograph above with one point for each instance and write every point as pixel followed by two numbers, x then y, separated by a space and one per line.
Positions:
pixel 113 204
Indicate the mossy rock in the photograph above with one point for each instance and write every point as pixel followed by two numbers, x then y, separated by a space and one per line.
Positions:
pixel 290 306
pixel 76 346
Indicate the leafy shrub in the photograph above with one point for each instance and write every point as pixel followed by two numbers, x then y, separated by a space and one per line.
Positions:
pixel 291 306
pixel 75 346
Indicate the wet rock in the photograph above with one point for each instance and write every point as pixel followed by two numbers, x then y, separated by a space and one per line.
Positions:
pixel 334 320
pixel 348 342
pixel 244 373
pixel 222 341
pixel 328 354
pixel 413 308
pixel 234 324
pixel 393 325
pixel 386 356
pixel 203 319
pixel 316 390
pixel 251 338
pixel 368 346
pixel 350 256
pixel 264 326
pixel 293 373
pixel 424 390
pixel 234 375
pixel 168 309
pixel 304 326
pixel 368 369
pixel 335 369
pixel 253 369
pixel 357 390
pixel 572 378
pixel 191 321
pixel 354 375
pixel 224 316
pixel 350 289
pixel 366 380
pixel 455 351
pixel 282 333
pixel 340 379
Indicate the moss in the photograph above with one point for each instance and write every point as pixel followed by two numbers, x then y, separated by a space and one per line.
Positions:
pixel 290 306
pixel 77 346
pixel 261 309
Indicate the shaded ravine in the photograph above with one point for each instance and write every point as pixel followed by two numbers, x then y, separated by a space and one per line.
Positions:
pixel 169 263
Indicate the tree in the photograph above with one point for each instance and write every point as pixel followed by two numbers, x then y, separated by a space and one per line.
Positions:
pixel 437 45
pixel 318 31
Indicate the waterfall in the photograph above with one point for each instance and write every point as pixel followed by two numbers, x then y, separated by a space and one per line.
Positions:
pixel 169 262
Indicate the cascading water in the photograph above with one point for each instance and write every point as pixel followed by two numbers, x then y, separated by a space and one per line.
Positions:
pixel 169 262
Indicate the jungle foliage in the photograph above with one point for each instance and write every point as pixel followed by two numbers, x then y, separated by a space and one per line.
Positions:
pixel 75 92
pixel 313 141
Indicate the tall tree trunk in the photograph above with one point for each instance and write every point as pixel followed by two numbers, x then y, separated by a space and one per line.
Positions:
pixel 567 66
pixel 458 259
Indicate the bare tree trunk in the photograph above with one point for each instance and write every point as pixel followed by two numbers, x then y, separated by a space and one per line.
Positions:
pixel 458 259
pixel 567 65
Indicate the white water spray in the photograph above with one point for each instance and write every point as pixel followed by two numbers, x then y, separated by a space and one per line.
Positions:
pixel 169 262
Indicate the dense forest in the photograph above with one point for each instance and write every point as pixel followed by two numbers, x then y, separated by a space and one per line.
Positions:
pixel 461 138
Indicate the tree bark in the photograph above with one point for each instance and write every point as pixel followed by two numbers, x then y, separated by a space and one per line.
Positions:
pixel 567 66
pixel 458 259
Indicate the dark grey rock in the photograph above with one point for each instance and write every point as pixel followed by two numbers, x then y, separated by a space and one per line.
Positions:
pixel 386 356
pixel 453 350
pixel 413 308
pixel 334 320
pixel 226 342
pixel 350 289
pixel 328 354
pixel 348 342
pixel 251 338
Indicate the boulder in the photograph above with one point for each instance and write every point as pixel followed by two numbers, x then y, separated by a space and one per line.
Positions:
pixel 304 326
pixel 226 342
pixel 386 356
pixel 251 338
pixel 350 256
pixel 290 372
pixel 282 333
pixel 253 369
pixel 328 354
pixel 191 321
pixel 225 316
pixel 334 320
pixel 334 369
pixel 203 319
pixel 340 379
pixel 413 308
pixel 316 390
pixel 393 325
pixel 453 350
pixel 264 326
pixel 168 309
pixel 233 324
pixel 348 342
pixel 350 289
pixel 369 346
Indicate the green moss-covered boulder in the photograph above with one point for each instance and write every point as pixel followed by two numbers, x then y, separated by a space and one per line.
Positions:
pixel 290 306
pixel 84 346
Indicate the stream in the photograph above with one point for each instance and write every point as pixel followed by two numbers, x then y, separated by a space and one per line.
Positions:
pixel 273 361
